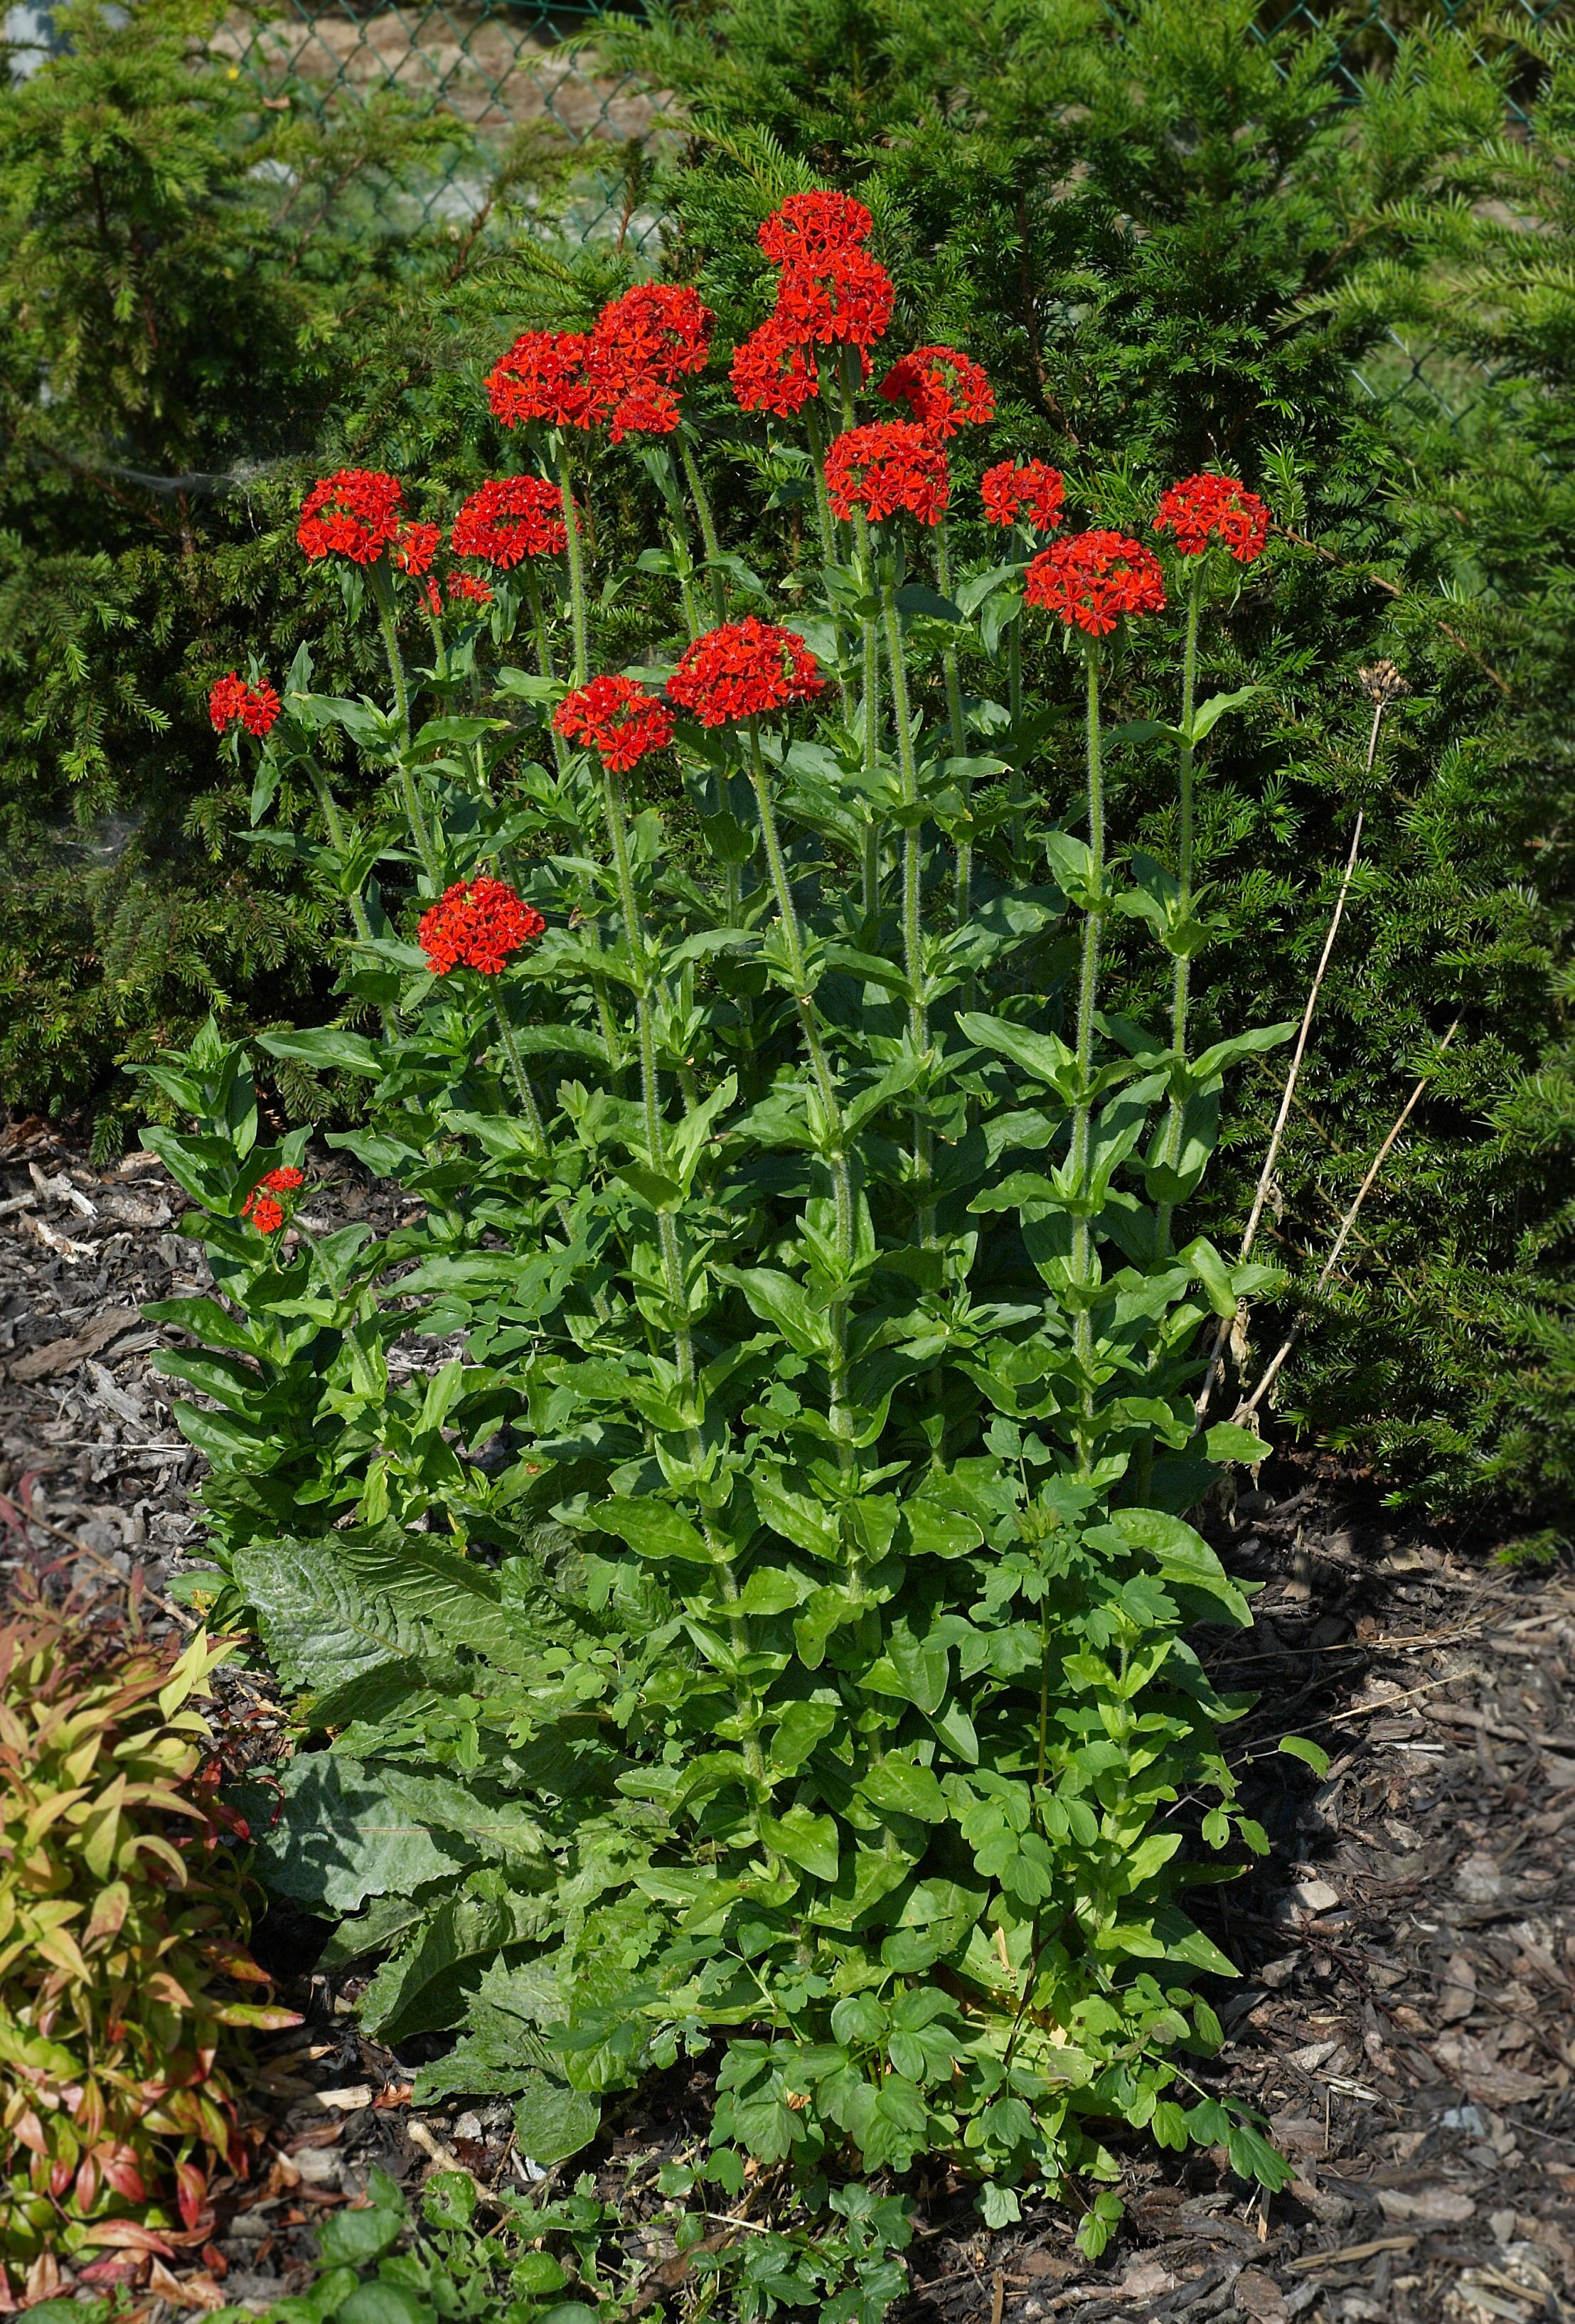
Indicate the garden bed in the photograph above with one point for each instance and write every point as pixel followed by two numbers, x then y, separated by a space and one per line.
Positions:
pixel 1405 2016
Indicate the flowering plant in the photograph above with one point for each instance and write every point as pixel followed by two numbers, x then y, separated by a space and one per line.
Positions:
pixel 807 1655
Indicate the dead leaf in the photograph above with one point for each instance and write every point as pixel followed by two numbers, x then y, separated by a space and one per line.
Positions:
pixel 1458 1992
pixel 59 1355
pixel 1257 2296
pixel 1437 2207
pixel 1145 2279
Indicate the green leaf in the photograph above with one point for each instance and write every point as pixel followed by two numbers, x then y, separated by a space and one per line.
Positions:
pixel 1207 715
pixel 906 1788
pixel 772 1590
pixel 553 2122
pixel 806 1840
pixel 1226 1442
pixel 339 1840
pixel 1297 1747
pixel 1183 1556
pixel 328 1050
pixel 654 1529
pixel 380 2302
pixel 1043 1055
pixel 357 2238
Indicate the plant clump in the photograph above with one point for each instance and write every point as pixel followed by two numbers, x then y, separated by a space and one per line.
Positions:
pixel 123 1927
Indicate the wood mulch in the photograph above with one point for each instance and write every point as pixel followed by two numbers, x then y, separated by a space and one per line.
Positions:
pixel 1406 2014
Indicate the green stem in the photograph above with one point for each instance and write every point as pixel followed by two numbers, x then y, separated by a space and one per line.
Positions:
pixel 1083 1112
pixel 825 1085
pixel 408 792
pixel 912 882
pixel 1018 799
pixel 576 566
pixel 538 1130
pixel 1185 851
pixel 870 718
pixel 545 658
pixel 357 902
pixel 948 666
pixel 815 428
pixel 692 469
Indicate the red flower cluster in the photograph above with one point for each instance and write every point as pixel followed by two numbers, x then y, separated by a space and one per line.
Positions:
pixel 355 512
pixel 618 717
pixel 415 546
pixel 1035 489
pixel 265 1213
pixel 831 292
pixel 1093 578
pixel 890 465
pixel 234 703
pixel 809 226
pixel 846 297
pixel 477 923
pixel 1202 510
pixel 512 518
pixel 624 373
pixel 468 587
pixel 551 377
pixel 743 669
pixel 942 389
pixel 770 374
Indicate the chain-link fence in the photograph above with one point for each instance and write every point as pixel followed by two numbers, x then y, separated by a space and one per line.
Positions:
pixel 497 68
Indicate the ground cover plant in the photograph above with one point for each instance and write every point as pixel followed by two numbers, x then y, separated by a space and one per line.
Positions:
pixel 775 1623
pixel 122 1950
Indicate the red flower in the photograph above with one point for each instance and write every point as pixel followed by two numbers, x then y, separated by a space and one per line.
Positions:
pixel 809 226
pixel 477 923
pixel 770 372
pixel 469 586
pixel 512 518
pixel 742 669
pixel 892 465
pixel 618 717
pixel 1205 509
pixel 415 546
pixel 1093 577
pixel 843 296
pixel 354 513
pixel 234 703
pixel 656 331
pixel 940 388
pixel 1035 487
pixel 265 1215
pixel 556 376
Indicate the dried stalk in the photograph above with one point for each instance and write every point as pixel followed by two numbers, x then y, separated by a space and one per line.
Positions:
pixel 1244 1410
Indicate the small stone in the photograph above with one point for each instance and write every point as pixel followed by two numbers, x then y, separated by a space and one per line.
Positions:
pixel 1316 1896
pixel 1502 2226
pixel 468 2126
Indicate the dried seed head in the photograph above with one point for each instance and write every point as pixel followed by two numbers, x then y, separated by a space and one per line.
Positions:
pixel 1381 682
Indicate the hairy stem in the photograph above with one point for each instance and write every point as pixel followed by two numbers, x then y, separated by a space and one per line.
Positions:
pixel 409 795
pixel 1083 1112
pixel 702 502
pixel 1181 981
pixel 913 879
pixel 948 666
pixel 576 552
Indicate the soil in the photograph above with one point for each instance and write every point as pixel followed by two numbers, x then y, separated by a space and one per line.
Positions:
pixel 1404 2016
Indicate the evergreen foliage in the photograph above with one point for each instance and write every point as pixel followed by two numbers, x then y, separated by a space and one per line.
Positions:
pixel 1168 241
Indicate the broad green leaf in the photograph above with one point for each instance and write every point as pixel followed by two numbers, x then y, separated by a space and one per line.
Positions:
pixel 654 1529
pixel 338 1840
pixel 1226 1442
pixel 553 2122
pixel 1297 1747
pixel 1183 1556
pixel 329 1049
pixel 807 1840
pixel 906 1788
